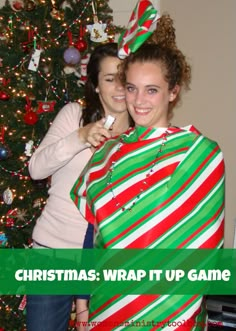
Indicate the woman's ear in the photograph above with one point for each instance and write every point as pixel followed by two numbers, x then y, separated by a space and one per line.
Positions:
pixel 174 93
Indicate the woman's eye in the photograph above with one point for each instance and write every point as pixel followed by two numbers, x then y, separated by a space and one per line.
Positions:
pixel 152 91
pixel 130 88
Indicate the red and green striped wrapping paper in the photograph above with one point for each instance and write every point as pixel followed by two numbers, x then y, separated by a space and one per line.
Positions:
pixel 182 206
pixel 141 25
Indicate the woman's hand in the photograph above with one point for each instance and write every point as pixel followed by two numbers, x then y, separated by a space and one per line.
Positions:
pixel 94 133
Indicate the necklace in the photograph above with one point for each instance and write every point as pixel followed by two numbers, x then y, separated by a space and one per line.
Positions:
pixel 143 185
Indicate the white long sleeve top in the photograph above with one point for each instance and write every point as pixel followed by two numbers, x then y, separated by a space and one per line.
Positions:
pixel 62 156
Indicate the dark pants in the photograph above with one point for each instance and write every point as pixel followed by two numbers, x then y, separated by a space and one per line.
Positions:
pixel 52 312
pixel 48 312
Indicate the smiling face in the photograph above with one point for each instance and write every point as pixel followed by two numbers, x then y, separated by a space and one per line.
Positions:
pixel 110 90
pixel 147 94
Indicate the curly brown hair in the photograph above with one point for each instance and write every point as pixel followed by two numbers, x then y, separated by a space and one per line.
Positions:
pixel 161 47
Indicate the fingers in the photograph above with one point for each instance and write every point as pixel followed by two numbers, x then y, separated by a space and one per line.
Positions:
pixel 98 137
pixel 97 134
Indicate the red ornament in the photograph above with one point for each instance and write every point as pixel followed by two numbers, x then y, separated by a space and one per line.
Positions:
pixel 45 106
pixel 4 97
pixel 23 303
pixel 17 5
pixel 81 45
pixel 10 220
pixel 31 118
pixel 26 46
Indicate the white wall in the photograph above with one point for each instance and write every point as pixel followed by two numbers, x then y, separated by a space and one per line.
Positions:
pixel 122 10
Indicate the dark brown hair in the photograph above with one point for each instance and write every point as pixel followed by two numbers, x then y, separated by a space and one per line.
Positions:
pixel 93 111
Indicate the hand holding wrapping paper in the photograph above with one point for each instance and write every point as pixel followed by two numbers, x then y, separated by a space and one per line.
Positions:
pixel 141 25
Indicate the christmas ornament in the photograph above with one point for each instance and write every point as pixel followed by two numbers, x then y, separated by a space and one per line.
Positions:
pixel 3 241
pixel 97 30
pixel 4 150
pixel 11 217
pixel 37 203
pixel 45 106
pixel 27 45
pixel 23 303
pixel 141 25
pixel 68 70
pixel 1 64
pixel 29 5
pixel 71 55
pixel 81 44
pixel 20 215
pixel 34 61
pixel 83 69
pixel 4 96
pixel 30 118
pixel 8 196
pixel 28 148
pixel 16 5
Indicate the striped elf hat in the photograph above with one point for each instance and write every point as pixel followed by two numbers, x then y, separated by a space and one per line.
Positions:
pixel 141 25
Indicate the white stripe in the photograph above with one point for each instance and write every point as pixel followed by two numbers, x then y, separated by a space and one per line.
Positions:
pixel 185 316
pixel 195 211
pixel 208 233
pixel 115 307
pixel 131 155
pixel 128 183
pixel 174 205
pixel 130 298
pixel 144 311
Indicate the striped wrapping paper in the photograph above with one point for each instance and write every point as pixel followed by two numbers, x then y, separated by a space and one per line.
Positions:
pixel 181 206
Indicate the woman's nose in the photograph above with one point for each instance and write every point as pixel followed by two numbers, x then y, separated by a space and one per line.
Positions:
pixel 139 97
pixel 119 86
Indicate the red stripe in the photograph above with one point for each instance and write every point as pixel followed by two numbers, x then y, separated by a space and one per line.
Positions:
pixel 75 191
pixel 180 310
pixel 216 238
pixel 124 314
pixel 132 191
pixel 105 305
pixel 156 232
pixel 201 228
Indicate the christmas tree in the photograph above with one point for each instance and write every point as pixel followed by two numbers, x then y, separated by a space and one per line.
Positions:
pixel 44 49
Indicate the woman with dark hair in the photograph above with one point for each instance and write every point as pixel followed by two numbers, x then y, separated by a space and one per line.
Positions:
pixel 63 153
pixel 157 187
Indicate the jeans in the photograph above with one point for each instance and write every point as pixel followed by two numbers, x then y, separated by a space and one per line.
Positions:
pixel 52 312
pixel 48 312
